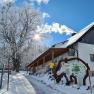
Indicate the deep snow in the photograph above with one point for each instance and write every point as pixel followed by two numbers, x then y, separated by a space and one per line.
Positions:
pixel 19 84
pixel 42 88
pixel 73 89
pixel 23 83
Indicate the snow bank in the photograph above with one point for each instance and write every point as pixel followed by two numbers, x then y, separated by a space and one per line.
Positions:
pixel 18 85
pixel 73 89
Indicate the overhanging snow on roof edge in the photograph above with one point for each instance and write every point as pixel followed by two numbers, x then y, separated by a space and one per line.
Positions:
pixel 74 38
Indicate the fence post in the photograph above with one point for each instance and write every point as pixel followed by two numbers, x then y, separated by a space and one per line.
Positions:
pixel 1 80
pixel 8 76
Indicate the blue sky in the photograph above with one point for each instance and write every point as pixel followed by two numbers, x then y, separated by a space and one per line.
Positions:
pixel 75 14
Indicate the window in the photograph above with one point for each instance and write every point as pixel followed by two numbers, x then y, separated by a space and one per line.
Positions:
pixel 71 52
pixel 92 57
pixel 92 73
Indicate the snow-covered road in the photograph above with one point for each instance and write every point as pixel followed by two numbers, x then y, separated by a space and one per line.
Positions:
pixel 43 83
pixel 41 88
pixel 23 83
pixel 18 85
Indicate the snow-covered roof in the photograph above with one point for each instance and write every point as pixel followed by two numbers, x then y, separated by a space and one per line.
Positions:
pixel 74 38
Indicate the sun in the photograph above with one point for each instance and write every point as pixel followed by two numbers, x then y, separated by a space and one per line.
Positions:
pixel 37 37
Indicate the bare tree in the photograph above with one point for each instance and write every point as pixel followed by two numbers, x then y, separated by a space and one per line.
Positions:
pixel 17 25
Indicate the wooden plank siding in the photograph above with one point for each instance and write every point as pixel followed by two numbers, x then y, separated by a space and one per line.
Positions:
pixel 48 55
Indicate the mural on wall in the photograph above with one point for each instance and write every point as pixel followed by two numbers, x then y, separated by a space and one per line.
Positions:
pixel 75 71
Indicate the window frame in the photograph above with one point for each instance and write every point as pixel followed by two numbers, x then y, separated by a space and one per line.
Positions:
pixel 92 57
pixel 71 52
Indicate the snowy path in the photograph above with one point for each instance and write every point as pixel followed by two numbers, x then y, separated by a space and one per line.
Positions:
pixel 24 84
pixel 44 83
pixel 42 88
pixel 18 85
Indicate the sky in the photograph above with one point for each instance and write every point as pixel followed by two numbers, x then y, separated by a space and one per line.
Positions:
pixel 75 14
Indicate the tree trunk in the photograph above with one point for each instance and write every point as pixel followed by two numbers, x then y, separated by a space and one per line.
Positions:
pixel 16 64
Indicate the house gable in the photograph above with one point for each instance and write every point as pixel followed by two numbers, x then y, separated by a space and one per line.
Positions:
pixel 88 37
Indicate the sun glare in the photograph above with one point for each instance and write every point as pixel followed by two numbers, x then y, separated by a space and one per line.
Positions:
pixel 36 37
